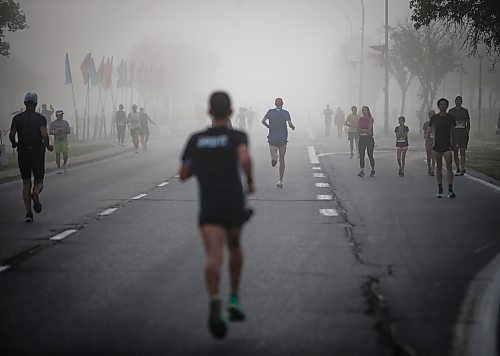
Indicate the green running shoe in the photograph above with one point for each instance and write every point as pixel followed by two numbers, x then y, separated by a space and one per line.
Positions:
pixel 235 310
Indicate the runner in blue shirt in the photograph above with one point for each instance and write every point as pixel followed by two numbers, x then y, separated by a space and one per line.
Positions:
pixel 278 135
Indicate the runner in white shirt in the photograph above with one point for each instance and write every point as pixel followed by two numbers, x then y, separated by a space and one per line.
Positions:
pixel 134 123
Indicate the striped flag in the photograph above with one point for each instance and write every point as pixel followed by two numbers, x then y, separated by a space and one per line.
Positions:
pixel 67 71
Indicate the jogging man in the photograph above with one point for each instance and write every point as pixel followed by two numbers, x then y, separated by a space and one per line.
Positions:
pixel 366 141
pixel 215 157
pixel 429 142
pixel 121 124
pixel 352 132
pixel 144 132
pixel 462 130
pixel 278 135
pixel 47 113
pixel 443 125
pixel 134 123
pixel 328 114
pixel 339 121
pixel 60 129
pixel 32 139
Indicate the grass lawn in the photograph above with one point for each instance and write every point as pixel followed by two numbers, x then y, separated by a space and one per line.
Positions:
pixel 51 156
pixel 485 160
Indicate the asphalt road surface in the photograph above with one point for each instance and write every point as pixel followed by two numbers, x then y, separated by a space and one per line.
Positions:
pixel 361 266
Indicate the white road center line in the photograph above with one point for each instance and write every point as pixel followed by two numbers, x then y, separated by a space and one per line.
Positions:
pixel 177 176
pixel 486 184
pixel 322 185
pixel 107 212
pixel 162 184
pixel 4 268
pixel 139 196
pixel 63 235
pixel 312 155
pixel 324 197
pixel 319 175
pixel 316 168
pixel 328 212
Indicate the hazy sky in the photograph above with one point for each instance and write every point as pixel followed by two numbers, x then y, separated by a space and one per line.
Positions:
pixel 265 48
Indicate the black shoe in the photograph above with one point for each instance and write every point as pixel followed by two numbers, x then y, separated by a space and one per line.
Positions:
pixel 457 173
pixel 216 325
pixel 451 194
pixel 29 217
pixel 361 174
pixel 439 195
pixel 372 173
pixel 37 206
pixel 274 162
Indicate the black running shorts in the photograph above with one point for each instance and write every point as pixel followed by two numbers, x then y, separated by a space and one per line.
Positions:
pixel 31 161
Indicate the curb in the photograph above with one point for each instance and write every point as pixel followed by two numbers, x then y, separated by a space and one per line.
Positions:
pixel 475 332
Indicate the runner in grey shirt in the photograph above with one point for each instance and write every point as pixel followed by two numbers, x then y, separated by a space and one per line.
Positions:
pixel 278 135
pixel 60 129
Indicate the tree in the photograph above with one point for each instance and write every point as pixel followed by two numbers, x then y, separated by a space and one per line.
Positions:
pixel 429 55
pixel 12 18
pixel 475 21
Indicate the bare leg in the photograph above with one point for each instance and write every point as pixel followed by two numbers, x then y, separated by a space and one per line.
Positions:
pixel 65 158
pixel 351 145
pixel 27 194
pixel 403 158
pixel 456 159
pixel 235 259
pixel 449 166
pixel 462 159
pixel 282 151
pixel 438 156
pixel 58 159
pixel 213 239
pixel 398 154
pixel 274 152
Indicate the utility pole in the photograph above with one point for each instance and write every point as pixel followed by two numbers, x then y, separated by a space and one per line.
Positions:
pixel 362 59
pixel 480 95
pixel 386 101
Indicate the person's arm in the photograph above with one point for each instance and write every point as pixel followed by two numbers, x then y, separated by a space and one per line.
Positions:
pixel 185 170
pixel 264 122
pixel 51 110
pixel 467 122
pixel 67 129
pixel 12 135
pixel 246 164
pixel 52 129
pixel 290 124
pixel 454 142
pixel 151 121
pixel 45 136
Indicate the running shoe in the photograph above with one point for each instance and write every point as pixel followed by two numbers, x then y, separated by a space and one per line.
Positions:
pixel 451 194
pixel 274 161
pixel 432 173
pixel 59 171
pixel 462 172
pixel 63 169
pixel 235 310
pixel 361 174
pixel 402 173
pixel 351 156
pixel 457 173
pixel 372 173
pixel 439 195
pixel 279 184
pixel 37 206
pixel 29 217
pixel 429 171
pixel 216 324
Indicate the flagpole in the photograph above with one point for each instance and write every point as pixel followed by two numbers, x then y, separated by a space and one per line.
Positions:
pixel 88 109
pixel 76 113
pixel 97 112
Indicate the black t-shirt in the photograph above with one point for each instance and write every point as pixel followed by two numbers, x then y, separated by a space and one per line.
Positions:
pixel 121 117
pixel 27 125
pixel 212 156
pixel 442 131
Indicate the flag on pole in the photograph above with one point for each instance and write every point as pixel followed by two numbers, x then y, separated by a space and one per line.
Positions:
pixel 97 79
pixel 107 72
pixel 85 67
pixel 67 71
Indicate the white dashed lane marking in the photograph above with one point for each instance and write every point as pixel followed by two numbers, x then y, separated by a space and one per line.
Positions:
pixel 107 212
pixel 162 184
pixel 312 155
pixel 316 168
pixel 328 212
pixel 324 197
pixel 139 196
pixel 319 175
pixel 4 268
pixel 63 235
pixel 322 185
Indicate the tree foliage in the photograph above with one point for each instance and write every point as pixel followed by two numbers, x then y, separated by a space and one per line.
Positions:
pixel 429 55
pixel 12 18
pixel 477 22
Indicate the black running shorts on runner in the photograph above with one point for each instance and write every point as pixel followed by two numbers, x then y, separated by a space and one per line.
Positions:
pixel 351 136
pixel 441 149
pixel 31 161
pixel 228 221
pixel 462 138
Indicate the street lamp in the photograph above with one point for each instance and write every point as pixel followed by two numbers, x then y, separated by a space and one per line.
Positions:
pixel 362 58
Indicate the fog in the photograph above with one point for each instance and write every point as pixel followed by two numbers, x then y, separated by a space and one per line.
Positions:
pixel 256 50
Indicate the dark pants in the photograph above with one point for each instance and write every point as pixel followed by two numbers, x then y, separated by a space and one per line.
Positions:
pixel 120 130
pixel 366 143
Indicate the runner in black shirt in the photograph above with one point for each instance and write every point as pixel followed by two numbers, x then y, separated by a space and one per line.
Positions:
pixel 443 125
pixel 215 157
pixel 32 138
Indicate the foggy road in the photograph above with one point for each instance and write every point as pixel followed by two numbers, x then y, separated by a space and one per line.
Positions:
pixel 391 255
